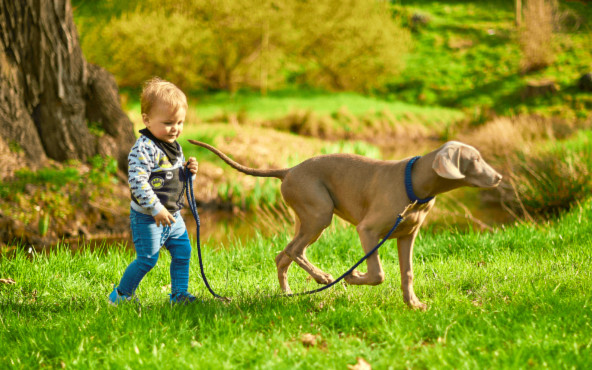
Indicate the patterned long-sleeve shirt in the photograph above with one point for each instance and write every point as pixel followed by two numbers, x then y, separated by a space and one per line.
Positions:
pixel 155 182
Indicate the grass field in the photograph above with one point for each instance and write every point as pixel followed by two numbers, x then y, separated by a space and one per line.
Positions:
pixel 518 297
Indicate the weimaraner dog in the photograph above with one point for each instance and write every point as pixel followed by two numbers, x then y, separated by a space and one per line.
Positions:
pixel 369 194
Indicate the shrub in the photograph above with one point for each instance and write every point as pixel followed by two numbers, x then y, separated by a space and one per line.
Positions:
pixel 203 44
pixel 137 46
pixel 348 44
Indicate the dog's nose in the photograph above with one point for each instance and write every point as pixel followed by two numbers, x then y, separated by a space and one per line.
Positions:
pixel 498 179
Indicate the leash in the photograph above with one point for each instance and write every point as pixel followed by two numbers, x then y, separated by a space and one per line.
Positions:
pixel 188 188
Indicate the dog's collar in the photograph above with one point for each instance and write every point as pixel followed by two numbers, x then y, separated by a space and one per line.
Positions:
pixel 409 187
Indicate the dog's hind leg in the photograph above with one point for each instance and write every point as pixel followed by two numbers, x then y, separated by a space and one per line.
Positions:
pixel 283 262
pixel 375 274
pixel 309 233
pixel 296 251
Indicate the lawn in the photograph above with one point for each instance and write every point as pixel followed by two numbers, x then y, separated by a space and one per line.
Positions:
pixel 517 297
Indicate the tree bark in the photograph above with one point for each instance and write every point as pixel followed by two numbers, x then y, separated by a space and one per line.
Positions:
pixel 53 103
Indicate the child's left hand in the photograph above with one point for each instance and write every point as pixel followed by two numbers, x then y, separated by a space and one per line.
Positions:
pixel 192 165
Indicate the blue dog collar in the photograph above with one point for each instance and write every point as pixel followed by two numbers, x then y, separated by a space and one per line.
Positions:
pixel 409 187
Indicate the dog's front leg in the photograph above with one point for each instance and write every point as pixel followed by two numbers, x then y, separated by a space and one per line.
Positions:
pixel 375 274
pixel 405 249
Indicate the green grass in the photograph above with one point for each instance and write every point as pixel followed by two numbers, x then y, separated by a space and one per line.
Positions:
pixel 514 298
pixel 253 106
pixel 280 104
pixel 468 55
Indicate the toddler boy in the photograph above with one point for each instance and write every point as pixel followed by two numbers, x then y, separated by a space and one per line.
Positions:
pixel 156 176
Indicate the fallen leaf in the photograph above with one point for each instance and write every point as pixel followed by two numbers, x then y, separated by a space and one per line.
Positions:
pixel 360 365
pixel 308 340
pixel 8 281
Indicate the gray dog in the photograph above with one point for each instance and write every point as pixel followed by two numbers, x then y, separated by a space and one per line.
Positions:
pixel 369 194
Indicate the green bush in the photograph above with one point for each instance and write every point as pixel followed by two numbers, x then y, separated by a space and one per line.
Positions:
pixel 202 45
pixel 137 46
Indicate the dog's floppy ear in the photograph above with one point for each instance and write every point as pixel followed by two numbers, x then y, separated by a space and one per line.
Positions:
pixel 447 162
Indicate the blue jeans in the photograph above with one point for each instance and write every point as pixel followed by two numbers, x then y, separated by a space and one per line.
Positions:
pixel 148 239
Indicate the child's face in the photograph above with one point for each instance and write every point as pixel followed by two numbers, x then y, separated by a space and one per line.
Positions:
pixel 165 122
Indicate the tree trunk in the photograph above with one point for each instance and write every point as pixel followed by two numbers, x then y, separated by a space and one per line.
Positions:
pixel 54 104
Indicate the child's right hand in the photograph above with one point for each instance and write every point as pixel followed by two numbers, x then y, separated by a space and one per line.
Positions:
pixel 164 217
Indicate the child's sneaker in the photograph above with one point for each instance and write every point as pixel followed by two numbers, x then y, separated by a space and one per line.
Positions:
pixel 182 298
pixel 115 298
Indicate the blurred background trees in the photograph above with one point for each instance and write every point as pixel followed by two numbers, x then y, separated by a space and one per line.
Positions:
pixel 249 44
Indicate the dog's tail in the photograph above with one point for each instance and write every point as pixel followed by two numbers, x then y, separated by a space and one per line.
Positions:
pixel 278 173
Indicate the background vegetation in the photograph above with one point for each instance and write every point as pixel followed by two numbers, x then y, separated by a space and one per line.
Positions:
pixel 229 45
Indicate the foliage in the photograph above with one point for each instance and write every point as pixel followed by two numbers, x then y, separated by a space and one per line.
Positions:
pixel 148 44
pixel 348 45
pixel 554 178
pixel 58 195
pixel 228 45
pixel 514 298
pixel 467 55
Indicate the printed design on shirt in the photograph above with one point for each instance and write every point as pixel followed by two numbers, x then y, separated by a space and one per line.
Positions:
pixel 157 182
pixel 163 162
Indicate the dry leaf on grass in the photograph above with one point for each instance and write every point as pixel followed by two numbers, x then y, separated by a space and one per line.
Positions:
pixel 8 281
pixel 308 340
pixel 165 288
pixel 360 365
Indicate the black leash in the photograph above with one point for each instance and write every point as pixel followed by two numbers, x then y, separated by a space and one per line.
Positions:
pixel 188 187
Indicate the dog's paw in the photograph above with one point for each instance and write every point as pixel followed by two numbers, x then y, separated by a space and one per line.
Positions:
pixel 415 304
pixel 354 278
pixel 324 279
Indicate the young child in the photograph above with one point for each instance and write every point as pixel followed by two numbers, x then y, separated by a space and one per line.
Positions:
pixel 156 175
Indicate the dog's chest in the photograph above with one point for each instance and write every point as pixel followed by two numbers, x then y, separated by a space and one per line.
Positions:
pixel 414 218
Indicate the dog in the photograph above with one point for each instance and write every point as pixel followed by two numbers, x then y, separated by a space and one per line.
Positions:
pixel 369 194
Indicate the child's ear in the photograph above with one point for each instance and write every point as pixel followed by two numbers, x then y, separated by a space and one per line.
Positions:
pixel 145 119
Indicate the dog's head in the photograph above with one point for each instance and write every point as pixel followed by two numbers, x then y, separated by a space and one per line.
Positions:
pixel 458 161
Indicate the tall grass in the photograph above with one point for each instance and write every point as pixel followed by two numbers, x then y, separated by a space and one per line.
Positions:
pixel 536 35
pixel 546 161
pixel 514 298
pixel 554 178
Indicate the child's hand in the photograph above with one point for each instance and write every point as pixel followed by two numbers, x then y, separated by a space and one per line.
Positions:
pixel 163 218
pixel 192 165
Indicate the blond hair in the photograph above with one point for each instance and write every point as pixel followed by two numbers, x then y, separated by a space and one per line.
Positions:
pixel 158 90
